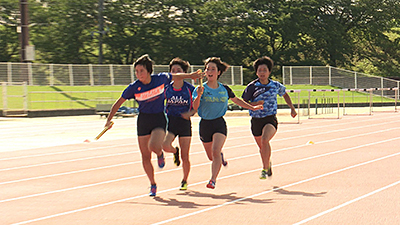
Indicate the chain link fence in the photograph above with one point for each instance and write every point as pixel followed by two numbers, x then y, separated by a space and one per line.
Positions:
pixel 89 74
pixel 345 79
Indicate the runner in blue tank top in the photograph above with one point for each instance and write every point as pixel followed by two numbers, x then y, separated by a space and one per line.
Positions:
pixel 179 108
pixel 148 91
pixel 211 101
pixel 264 123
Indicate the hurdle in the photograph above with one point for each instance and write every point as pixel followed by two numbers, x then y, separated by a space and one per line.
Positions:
pixel 371 104
pixel 327 105
pixel 387 100
pixel 290 120
pixel 357 109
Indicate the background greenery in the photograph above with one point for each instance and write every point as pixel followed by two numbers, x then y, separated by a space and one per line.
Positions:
pixel 361 35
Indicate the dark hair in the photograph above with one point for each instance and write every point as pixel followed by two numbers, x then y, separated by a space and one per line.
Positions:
pixel 222 66
pixel 182 63
pixel 145 61
pixel 263 60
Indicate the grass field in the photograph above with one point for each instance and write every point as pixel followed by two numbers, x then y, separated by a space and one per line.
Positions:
pixel 82 97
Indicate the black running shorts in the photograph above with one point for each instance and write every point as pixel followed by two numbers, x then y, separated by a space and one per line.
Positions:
pixel 257 124
pixel 147 122
pixel 209 127
pixel 179 126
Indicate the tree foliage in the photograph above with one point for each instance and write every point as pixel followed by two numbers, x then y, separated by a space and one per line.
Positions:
pixel 363 35
pixel 9 43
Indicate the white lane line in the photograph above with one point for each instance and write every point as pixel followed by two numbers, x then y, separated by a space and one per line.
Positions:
pixel 347 203
pixel 69 160
pixel 66 152
pixel 75 151
pixel 196 143
pixel 67 173
pixel 193 153
pixel 134 143
pixel 238 174
pixel 279 188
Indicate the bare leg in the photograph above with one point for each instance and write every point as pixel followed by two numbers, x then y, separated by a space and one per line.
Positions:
pixel 184 143
pixel 217 144
pixel 146 157
pixel 264 145
pixel 208 148
pixel 167 144
pixel 156 140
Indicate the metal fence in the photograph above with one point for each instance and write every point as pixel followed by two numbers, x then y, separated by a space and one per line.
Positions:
pixel 17 100
pixel 327 75
pixel 89 74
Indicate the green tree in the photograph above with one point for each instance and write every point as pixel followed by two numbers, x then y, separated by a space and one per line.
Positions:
pixel 62 30
pixel 352 34
pixel 378 38
pixel 9 42
pixel 162 30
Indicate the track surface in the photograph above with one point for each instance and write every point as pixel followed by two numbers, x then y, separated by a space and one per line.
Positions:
pixel 326 171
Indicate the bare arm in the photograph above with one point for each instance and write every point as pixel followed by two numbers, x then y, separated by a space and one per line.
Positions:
pixel 288 101
pixel 194 75
pixel 117 104
pixel 256 103
pixel 187 115
pixel 196 102
pixel 246 105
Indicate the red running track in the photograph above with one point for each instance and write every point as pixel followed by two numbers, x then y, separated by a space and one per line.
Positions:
pixel 326 171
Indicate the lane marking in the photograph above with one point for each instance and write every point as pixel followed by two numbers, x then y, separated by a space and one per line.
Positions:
pixel 347 203
pixel 66 161
pixel 193 153
pixel 65 152
pixel 238 174
pixel 279 188
pixel 196 143
pixel 235 131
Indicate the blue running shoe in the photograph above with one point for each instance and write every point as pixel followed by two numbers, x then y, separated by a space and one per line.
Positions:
pixel 161 160
pixel 224 163
pixel 153 190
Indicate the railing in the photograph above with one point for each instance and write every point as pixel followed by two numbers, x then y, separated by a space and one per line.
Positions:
pixel 327 75
pixel 16 98
pixel 90 74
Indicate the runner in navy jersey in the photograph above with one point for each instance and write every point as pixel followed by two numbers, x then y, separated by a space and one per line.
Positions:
pixel 148 91
pixel 211 101
pixel 179 109
pixel 264 123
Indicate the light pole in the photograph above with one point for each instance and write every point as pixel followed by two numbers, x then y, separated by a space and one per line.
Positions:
pixel 23 7
pixel 101 31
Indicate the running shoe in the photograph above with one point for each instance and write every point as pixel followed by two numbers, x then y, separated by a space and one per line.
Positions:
pixel 269 171
pixel 265 173
pixel 153 190
pixel 211 184
pixel 224 163
pixel 177 161
pixel 161 160
pixel 184 186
